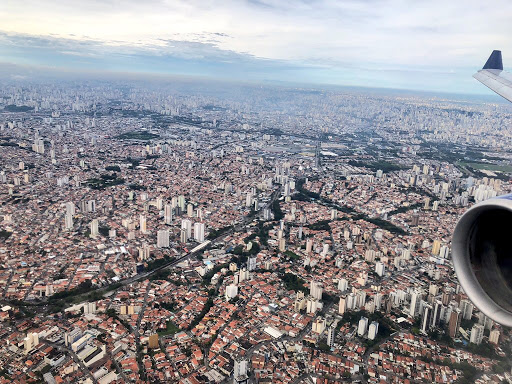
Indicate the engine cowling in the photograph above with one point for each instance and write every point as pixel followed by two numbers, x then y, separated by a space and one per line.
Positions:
pixel 482 257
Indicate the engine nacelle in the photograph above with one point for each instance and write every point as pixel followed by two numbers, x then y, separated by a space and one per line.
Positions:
pixel 482 257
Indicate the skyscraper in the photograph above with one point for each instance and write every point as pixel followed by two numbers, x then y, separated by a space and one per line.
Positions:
pixel 142 224
pixel 153 341
pixel 68 222
pixel 466 307
pixel 436 313
pixel 94 228
pixel 199 232
pixel 373 329
pixel 477 334
pixel 186 224
pixel 168 214
pixel 316 289
pixel 454 324
pixel 342 306
pixel 331 334
pixel 494 337
pixel 362 326
pixel 162 238
pixel 380 268
pixel 240 371
pixel 342 285
pixel 426 319
pixel 415 303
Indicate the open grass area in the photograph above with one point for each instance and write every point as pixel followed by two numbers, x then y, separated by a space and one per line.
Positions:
pixel 488 167
pixel 171 329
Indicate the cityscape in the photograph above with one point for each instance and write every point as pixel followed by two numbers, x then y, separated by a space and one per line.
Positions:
pixel 187 231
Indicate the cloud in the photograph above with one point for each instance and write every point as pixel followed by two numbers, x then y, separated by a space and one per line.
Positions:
pixel 276 39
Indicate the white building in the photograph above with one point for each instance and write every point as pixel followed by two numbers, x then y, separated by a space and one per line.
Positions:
pixel 316 289
pixel 240 371
pixel 143 225
pixel 231 291
pixel 477 334
pixel 373 330
pixel 186 224
pixel 342 285
pixel 199 232
pixel 162 238
pixel 94 228
pixel 168 214
pixel 362 326
pixel 380 268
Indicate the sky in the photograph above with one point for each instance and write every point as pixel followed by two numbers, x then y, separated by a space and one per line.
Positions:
pixel 433 45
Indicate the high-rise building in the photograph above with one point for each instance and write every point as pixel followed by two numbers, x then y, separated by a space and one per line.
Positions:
pixel 433 289
pixel 68 222
pixel 251 263
pixel 312 305
pixel 351 301
pixel 494 337
pixel 240 371
pixel 436 313
pixel 477 334
pixel 446 298
pixel 444 252
pixel 183 235
pixel 159 203
pixel 70 208
pixel 168 214
pixel 415 219
pixel 142 224
pixel 162 238
pixel 373 330
pixel 466 307
pixel 181 202
pixel 153 341
pixel 231 291
pixel 454 323
pixel 91 206
pixel 436 246
pixel 319 325
pixel 186 224
pixel 331 335
pixel 362 326
pixel 282 245
pixel 342 306
pixel 343 285
pixel 380 268
pixel 316 289
pixel 415 303
pixel 94 228
pixel 31 341
pixel 309 245
pixel 426 319
pixel 199 232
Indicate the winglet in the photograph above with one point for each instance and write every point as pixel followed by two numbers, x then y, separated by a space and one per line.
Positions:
pixel 494 61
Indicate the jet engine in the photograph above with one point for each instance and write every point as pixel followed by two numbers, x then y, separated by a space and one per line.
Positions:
pixel 482 257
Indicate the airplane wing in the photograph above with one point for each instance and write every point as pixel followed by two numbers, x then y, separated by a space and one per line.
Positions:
pixel 493 76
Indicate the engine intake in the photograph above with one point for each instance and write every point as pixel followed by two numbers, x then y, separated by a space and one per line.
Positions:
pixel 482 257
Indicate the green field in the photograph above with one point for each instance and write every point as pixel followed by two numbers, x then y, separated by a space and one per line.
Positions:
pixel 171 329
pixel 488 167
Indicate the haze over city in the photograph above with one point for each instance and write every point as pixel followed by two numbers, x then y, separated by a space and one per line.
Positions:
pixel 422 45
